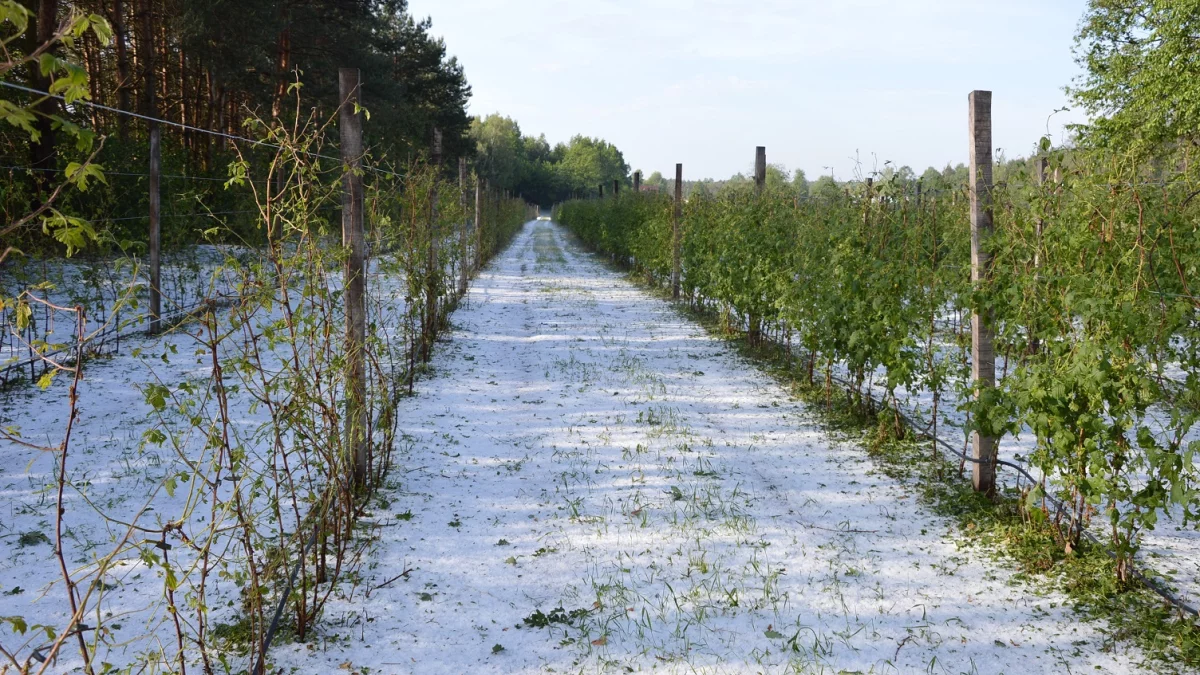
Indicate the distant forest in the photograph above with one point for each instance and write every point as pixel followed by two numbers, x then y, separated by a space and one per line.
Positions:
pixel 217 64
pixel 212 64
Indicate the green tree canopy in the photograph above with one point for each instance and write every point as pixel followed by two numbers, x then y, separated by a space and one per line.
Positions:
pixel 589 162
pixel 825 188
pixel 778 177
pixel 800 183
pixel 499 149
pixel 1142 80
pixel 932 180
pixel 528 166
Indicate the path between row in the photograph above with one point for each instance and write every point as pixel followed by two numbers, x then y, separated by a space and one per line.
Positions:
pixel 582 446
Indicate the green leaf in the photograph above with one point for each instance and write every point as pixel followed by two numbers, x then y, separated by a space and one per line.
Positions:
pixel 17 15
pixel 101 28
pixel 74 233
pixel 47 64
pixel 46 380
pixel 24 314
pixel 71 84
pixel 19 117
pixel 18 623
pixel 156 396
pixel 78 174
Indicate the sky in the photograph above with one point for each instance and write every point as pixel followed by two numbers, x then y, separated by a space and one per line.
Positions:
pixel 839 86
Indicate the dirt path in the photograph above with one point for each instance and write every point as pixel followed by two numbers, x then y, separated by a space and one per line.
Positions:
pixel 584 447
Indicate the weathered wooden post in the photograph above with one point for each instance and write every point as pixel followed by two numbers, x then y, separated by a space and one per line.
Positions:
pixel 462 236
pixel 1038 226
pixel 637 181
pixel 350 126
pixel 1041 222
pixel 616 187
pixel 676 233
pixel 601 190
pixel 983 358
pixel 155 230
pixel 433 266
pixel 477 258
pixel 753 323
pixel 149 92
pixel 760 169
pixel 867 203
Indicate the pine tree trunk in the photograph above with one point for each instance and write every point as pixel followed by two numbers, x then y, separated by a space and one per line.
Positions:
pixel 145 48
pixel 283 61
pixel 120 37
pixel 184 108
pixel 162 58
pixel 91 63
pixel 42 28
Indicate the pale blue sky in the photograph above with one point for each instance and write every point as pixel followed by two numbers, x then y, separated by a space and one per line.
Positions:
pixel 704 81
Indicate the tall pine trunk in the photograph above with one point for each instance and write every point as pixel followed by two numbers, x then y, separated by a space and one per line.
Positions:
pixel 145 49
pixel 42 27
pixel 283 60
pixel 116 17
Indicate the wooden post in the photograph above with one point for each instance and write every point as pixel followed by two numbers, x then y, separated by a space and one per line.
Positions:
pixel 462 240
pixel 1038 226
pixel 477 258
pixel 433 263
pixel 983 358
pixel 676 233
pixel 867 203
pixel 637 181
pixel 602 191
pixel 350 126
pixel 616 187
pixel 760 169
pixel 1041 223
pixel 155 231
pixel 753 322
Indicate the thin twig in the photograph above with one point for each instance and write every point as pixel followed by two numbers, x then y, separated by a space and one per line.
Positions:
pixel 405 573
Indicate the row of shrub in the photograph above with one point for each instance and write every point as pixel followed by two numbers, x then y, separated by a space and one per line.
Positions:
pixel 1090 290
pixel 255 490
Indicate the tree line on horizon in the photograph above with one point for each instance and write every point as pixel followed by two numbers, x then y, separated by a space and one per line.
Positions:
pixel 1140 87
pixel 215 65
